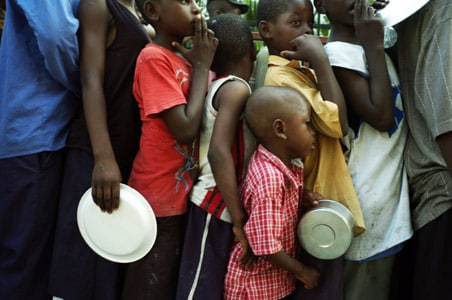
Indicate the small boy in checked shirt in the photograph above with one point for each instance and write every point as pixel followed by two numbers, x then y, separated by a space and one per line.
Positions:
pixel 279 117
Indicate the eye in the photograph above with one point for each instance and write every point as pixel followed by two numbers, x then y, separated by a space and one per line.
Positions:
pixel 296 22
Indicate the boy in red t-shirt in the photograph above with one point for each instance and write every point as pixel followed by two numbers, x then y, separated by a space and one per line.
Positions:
pixel 170 85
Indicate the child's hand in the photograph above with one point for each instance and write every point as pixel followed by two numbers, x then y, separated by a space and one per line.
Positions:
pixel 309 276
pixel 204 45
pixel 247 259
pixel 308 48
pixel 311 198
pixel 105 181
pixel 368 26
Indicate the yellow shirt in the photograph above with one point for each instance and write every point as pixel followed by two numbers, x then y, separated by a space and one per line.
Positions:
pixel 326 170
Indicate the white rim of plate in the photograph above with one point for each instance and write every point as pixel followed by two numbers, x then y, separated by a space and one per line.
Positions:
pixel 124 236
pixel 398 10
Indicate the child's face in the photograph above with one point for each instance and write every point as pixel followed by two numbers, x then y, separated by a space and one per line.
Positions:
pixel 216 8
pixel 296 21
pixel 300 134
pixel 177 17
pixel 341 11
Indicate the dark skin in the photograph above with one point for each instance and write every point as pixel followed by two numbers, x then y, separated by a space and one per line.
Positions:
pixel 230 102
pixel 219 7
pixel 297 42
pixel 369 98
pixel 183 121
pixel 280 138
pixel 97 32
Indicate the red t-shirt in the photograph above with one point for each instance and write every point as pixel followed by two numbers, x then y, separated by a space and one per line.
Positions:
pixel 162 81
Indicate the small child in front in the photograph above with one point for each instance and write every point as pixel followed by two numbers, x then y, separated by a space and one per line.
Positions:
pixel 279 118
pixel 286 28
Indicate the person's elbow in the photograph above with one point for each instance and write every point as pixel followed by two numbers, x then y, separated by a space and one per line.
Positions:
pixel 215 156
pixel 383 124
pixel 186 137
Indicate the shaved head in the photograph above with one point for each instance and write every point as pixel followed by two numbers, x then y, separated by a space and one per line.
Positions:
pixel 269 103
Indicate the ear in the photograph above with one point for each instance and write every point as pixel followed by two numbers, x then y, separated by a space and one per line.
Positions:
pixel 279 129
pixel 265 29
pixel 151 10
pixel 320 6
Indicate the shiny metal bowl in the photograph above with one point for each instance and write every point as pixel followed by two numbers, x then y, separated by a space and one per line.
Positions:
pixel 326 230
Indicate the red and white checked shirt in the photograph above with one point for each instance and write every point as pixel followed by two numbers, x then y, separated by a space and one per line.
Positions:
pixel 271 196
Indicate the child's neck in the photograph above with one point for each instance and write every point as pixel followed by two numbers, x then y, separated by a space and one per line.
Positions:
pixel 342 33
pixel 130 5
pixel 166 41
pixel 236 70
pixel 279 152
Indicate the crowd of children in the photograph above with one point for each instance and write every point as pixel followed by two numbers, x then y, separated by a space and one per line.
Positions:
pixel 228 150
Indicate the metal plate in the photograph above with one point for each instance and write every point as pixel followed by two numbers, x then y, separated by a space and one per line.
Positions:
pixel 326 231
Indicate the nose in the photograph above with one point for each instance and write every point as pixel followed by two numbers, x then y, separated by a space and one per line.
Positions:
pixel 308 29
pixel 195 8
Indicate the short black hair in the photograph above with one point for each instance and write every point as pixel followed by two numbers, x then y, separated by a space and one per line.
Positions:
pixel 234 36
pixel 270 10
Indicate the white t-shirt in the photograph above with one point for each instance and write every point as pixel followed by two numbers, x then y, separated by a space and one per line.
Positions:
pixel 375 160
pixel 204 193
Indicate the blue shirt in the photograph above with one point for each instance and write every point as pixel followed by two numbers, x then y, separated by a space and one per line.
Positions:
pixel 39 75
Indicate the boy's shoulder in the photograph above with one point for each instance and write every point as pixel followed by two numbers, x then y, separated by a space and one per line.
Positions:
pixel 284 72
pixel 154 51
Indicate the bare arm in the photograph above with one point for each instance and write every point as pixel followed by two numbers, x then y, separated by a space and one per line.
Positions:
pixel 184 120
pixel 229 101
pixel 94 20
pixel 371 99
pixel 308 275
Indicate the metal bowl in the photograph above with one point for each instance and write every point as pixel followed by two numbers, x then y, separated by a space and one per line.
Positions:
pixel 326 230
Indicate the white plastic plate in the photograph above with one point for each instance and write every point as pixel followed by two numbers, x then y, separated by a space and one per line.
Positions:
pixel 398 10
pixel 124 236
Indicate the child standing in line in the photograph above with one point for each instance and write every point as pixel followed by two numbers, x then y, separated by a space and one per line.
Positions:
pixel 286 28
pixel 170 86
pixel 279 118
pixel 216 214
pixel 225 147
pixel 378 131
pixel 102 143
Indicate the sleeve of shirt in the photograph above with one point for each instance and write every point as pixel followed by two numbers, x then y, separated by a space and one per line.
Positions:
pixel 156 82
pixel 347 56
pixel 326 114
pixel 55 26
pixel 435 57
pixel 264 227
